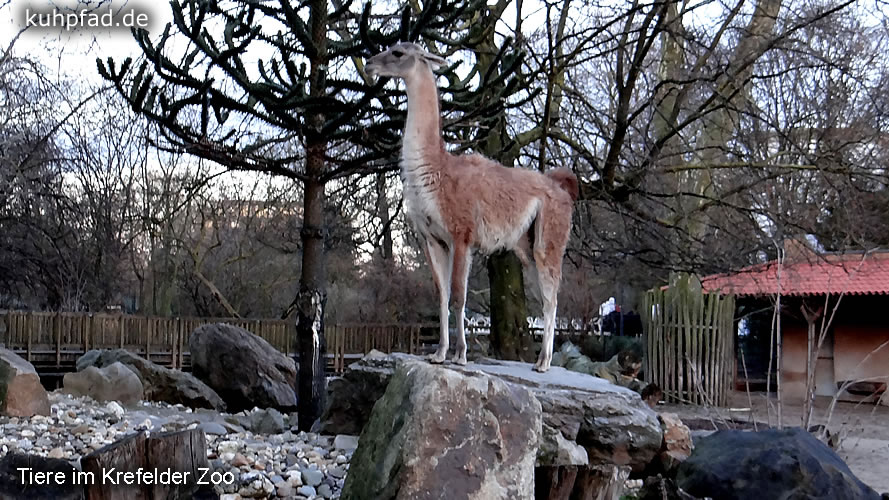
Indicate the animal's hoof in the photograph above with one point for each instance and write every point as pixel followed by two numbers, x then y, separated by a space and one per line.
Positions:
pixel 541 367
pixel 436 359
pixel 460 360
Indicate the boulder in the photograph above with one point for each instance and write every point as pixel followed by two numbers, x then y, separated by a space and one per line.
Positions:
pixel 770 464
pixel 13 486
pixel 21 394
pixel 677 445
pixel 351 396
pixel 243 368
pixel 114 382
pixel 266 421
pixel 555 449
pixel 443 433
pixel 159 383
pixel 610 424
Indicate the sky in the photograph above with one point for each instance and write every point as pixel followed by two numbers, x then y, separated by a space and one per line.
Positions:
pixel 75 51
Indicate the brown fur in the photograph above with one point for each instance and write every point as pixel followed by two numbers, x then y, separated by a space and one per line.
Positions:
pixel 460 203
pixel 566 180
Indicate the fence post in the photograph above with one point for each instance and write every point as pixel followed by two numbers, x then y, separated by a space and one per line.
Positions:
pixel 57 331
pixel 86 328
pixel 29 329
pixel 148 339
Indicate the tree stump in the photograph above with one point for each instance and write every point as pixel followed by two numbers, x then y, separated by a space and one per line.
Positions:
pixel 572 482
pixel 170 466
pixel 122 456
pixel 182 451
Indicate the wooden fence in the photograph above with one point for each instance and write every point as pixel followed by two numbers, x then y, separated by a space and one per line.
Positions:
pixel 53 342
pixel 689 338
pixel 56 340
pixel 347 343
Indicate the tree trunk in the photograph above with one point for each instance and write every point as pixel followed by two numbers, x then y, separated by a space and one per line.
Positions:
pixel 385 248
pixel 310 303
pixel 509 309
pixel 312 296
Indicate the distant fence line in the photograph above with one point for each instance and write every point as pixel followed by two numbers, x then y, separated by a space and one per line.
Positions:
pixel 52 341
pixel 57 339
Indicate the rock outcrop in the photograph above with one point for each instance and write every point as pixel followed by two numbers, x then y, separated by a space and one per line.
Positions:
pixel 442 433
pixel 581 413
pixel 114 382
pixel 21 394
pixel 243 368
pixel 787 463
pixel 351 396
pixel 677 445
pixel 159 383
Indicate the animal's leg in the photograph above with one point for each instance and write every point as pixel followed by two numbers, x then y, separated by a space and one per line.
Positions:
pixel 522 249
pixel 440 260
pixel 548 279
pixel 551 233
pixel 459 279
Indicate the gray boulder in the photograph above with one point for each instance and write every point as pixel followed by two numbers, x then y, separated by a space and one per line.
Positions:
pixel 243 368
pixel 265 421
pixel 443 433
pixel 770 464
pixel 351 397
pixel 21 394
pixel 114 382
pixel 581 413
pixel 159 383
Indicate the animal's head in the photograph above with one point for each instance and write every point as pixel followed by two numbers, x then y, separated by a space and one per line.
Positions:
pixel 630 362
pixel 402 59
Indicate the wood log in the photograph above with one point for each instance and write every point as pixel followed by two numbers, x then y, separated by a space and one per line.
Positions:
pixel 171 464
pixel 124 455
pixel 554 482
pixel 183 452
pixel 571 482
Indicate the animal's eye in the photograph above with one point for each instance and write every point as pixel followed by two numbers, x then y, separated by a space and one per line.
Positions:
pixel 397 53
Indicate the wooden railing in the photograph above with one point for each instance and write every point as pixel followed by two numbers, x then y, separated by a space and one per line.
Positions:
pixel 347 343
pixel 53 341
pixel 56 340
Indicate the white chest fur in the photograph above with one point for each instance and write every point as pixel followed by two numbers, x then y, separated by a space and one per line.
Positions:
pixel 421 184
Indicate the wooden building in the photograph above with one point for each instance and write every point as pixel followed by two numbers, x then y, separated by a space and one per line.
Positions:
pixel 838 300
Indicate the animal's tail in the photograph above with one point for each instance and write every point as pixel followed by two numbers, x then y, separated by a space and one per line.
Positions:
pixel 566 180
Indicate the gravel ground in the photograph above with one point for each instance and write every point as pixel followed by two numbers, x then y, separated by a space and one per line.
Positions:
pixel 283 463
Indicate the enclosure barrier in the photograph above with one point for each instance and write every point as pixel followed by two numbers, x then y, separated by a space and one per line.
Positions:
pixel 689 338
pixel 53 341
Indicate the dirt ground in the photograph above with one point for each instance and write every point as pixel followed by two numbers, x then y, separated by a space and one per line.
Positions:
pixel 863 428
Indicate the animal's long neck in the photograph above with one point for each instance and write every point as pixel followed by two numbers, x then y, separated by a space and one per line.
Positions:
pixel 423 144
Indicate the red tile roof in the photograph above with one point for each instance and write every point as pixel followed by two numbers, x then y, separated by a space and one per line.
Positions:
pixel 850 273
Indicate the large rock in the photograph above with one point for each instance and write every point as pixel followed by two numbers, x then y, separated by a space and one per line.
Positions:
pixel 677 445
pixel 439 433
pixel 243 368
pixel 114 382
pixel 159 383
pixel 21 394
pixel 351 397
pixel 771 464
pixel 610 424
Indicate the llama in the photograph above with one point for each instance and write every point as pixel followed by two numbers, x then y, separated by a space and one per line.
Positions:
pixel 458 204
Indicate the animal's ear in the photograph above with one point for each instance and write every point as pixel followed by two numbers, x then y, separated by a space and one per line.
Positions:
pixel 434 61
